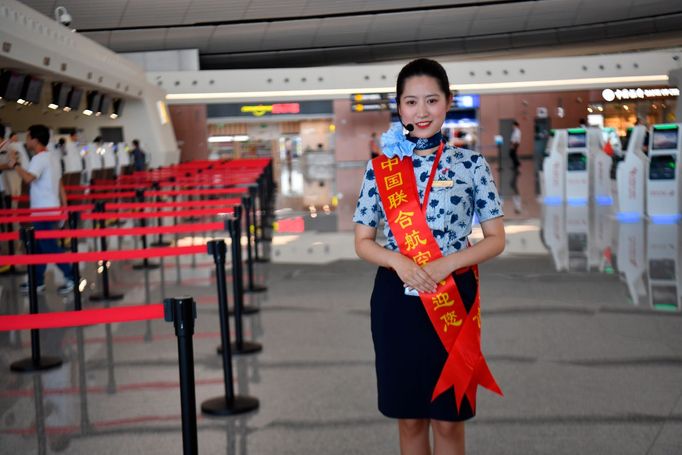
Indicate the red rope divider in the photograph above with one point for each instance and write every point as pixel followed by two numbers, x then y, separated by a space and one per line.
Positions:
pixel 159 205
pixel 208 192
pixel 159 214
pixel 113 232
pixel 27 211
pixel 80 318
pixel 33 218
pixel 95 256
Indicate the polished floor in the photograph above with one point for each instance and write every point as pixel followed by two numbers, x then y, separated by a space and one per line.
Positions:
pixel 582 328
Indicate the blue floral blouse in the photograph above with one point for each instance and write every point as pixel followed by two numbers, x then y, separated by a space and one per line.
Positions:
pixel 450 211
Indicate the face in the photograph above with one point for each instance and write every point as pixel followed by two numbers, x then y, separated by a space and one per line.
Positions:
pixel 30 143
pixel 424 105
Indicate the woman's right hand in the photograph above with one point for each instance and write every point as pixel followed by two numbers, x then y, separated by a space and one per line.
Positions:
pixel 412 274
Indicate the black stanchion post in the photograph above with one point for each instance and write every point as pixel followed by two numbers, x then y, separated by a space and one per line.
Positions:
pixel 156 186
pixel 246 203
pixel 234 227
pixel 36 362
pixel 228 404
pixel 260 223
pixel 254 227
pixel 105 295
pixel 182 311
pixel 82 381
pixel 74 217
pixel 266 220
pixel 145 264
pixel 240 346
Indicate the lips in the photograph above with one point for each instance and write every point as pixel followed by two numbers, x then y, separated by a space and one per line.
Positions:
pixel 423 125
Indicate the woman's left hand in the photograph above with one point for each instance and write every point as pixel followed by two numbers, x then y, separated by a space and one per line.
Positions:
pixel 439 269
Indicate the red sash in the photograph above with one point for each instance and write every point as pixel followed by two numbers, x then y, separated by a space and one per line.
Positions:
pixel 465 368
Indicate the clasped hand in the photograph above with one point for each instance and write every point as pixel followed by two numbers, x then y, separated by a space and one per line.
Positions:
pixel 422 278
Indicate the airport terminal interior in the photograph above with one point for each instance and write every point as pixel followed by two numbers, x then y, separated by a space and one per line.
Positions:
pixel 231 220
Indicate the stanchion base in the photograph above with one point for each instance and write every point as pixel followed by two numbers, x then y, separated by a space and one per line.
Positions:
pixel 147 266
pixel 164 243
pixel 255 289
pixel 28 366
pixel 220 407
pixel 104 298
pixel 246 310
pixel 248 347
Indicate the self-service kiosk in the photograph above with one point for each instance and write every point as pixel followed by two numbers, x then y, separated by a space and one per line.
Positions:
pixel 631 258
pixel 72 158
pixel 554 168
pixel 582 147
pixel 665 279
pixel 663 185
pixel 602 244
pixel 631 177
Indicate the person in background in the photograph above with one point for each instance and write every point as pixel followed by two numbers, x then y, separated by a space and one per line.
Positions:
pixel 44 177
pixel 374 148
pixel 139 160
pixel 514 143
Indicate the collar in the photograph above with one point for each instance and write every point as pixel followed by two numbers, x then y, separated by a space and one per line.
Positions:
pixel 426 143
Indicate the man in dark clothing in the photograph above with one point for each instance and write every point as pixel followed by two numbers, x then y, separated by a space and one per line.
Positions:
pixel 139 161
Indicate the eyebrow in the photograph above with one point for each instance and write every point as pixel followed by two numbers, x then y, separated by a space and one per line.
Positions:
pixel 426 96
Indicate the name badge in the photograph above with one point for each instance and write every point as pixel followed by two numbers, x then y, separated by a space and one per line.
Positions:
pixel 443 183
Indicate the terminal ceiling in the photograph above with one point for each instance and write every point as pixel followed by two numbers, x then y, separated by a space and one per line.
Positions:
pixel 295 33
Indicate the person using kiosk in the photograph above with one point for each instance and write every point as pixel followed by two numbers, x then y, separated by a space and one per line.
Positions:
pixel 425 307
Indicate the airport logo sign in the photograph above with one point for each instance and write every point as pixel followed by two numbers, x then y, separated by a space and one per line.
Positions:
pixel 638 93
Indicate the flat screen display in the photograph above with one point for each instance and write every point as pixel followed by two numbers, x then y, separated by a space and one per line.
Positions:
pixel 577 140
pixel 664 139
pixel 11 84
pixel 104 105
pixel 93 101
pixel 74 99
pixel 662 269
pixel 33 88
pixel 662 167
pixel 577 161
pixel 60 94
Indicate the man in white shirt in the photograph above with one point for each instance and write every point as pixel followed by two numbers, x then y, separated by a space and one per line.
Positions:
pixel 44 176
pixel 515 142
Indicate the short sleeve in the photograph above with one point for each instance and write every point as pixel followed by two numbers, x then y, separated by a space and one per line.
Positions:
pixel 486 200
pixel 368 210
pixel 37 165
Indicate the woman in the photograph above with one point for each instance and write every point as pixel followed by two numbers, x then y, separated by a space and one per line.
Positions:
pixel 419 339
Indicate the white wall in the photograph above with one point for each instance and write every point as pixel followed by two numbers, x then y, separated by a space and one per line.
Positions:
pixel 43 48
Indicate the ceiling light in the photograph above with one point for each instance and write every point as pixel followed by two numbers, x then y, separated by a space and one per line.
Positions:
pixel 87 112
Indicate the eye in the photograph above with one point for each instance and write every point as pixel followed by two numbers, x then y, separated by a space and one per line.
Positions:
pixel 410 102
pixel 432 100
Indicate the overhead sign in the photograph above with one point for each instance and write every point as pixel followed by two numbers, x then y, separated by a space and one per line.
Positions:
pixel 639 93
pixel 275 109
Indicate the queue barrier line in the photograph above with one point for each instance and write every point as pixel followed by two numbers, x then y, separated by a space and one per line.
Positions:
pixel 95 256
pixel 119 215
pixel 27 211
pixel 153 205
pixel 114 232
pixel 156 214
pixel 64 319
pixel 205 192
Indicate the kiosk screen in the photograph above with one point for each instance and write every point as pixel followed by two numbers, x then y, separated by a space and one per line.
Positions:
pixel 665 296
pixel 664 139
pixel 577 161
pixel 577 140
pixel 662 167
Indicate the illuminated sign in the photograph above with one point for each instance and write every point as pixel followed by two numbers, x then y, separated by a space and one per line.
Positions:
pixel 638 93
pixel 275 109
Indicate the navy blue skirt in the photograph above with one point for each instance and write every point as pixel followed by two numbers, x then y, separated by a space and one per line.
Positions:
pixel 409 354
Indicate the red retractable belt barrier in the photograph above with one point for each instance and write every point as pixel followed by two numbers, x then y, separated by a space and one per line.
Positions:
pixel 207 192
pixel 27 211
pixel 95 256
pixel 34 218
pixel 113 232
pixel 159 205
pixel 156 214
pixel 81 318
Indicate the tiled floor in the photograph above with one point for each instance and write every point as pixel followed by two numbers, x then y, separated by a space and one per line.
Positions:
pixel 583 330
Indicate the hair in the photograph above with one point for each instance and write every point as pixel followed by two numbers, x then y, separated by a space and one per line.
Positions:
pixel 423 67
pixel 39 133
pixel 516 123
pixel 136 143
pixel 2 131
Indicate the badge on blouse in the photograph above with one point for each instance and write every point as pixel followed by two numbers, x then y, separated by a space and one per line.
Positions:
pixel 443 183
